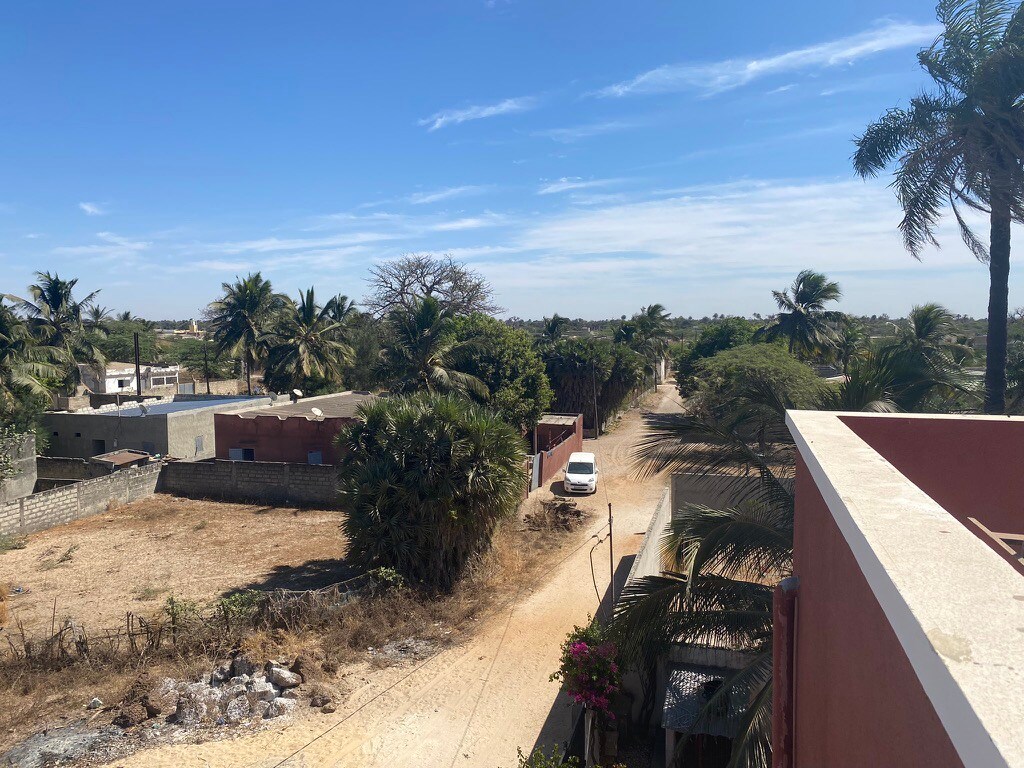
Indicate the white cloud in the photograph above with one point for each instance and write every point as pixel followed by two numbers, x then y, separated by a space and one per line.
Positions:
pixel 714 77
pixel 478 112
pixel 277 244
pixel 469 222
pixel 93 209
pixel 111 246
pixel 565 184
pixel 577 132
pixel 445 193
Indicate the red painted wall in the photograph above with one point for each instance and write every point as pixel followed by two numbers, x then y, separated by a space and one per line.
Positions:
pixel 554 459
pixel 276 439
pixel 858 702
pixel 948 459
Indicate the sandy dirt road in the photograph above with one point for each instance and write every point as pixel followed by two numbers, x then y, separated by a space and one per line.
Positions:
pixel 471 705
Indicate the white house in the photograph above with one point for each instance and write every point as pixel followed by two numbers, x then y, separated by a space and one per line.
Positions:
pixel 120 377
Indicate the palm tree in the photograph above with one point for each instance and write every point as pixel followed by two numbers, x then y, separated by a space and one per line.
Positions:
pixel 125 316
pixel 306 344
pixel 553 328
pixel 57 319
pixel 963 145
pixel 803 319
pixel 421 353
pixel 851 343
pixel 242 319
pixel 97 318
pixel 424 480
pixel 25 364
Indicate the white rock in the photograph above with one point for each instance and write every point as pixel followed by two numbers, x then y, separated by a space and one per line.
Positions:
pixel 94 703
pixel 239 680
pixel 237 710
pixel 263 691
pixel 283 678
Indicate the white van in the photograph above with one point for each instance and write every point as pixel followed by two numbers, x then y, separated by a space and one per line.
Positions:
pixel 581 473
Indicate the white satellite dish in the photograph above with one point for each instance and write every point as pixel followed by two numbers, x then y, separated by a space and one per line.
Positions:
pixel 317 412
pixel 297 392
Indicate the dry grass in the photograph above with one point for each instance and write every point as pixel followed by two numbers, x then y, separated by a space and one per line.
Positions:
pixel 327 634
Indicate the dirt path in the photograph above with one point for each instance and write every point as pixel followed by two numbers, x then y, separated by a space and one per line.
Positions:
pixel 472 705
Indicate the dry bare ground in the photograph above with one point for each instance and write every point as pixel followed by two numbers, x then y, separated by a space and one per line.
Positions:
pixel 134 556
pixel 472 704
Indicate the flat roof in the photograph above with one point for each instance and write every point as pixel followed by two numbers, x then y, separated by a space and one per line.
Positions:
pixel 162 407
pixel 558 419
pixel 341 405
pixel 125 456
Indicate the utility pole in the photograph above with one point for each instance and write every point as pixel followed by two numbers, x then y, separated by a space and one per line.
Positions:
pixel 611 560
pixel 206 367
pixel 138 367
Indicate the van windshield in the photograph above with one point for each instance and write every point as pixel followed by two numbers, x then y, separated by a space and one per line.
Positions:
pixel 579 468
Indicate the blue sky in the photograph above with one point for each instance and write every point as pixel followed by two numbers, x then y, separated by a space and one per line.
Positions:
pixel 587 157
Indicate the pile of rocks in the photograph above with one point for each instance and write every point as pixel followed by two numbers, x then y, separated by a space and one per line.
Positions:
pixel 238 691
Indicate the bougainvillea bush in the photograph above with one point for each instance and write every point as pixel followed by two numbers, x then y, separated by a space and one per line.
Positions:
pixel 588 670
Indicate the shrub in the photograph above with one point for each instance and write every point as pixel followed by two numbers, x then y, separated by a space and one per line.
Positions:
pixel 734 371
pixel 724 334
pixel 424 480
pixel 588 670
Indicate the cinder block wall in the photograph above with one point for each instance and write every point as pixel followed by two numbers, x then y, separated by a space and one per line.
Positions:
pixel 264 481
pixel 89 497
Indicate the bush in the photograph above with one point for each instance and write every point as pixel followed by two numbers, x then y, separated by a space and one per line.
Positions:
pixel 424 480
pixel 719 336
pixel 588 670
pixel 731 373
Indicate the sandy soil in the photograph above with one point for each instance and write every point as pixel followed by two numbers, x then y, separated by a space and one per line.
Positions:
pixel 474 704
pixel 134 556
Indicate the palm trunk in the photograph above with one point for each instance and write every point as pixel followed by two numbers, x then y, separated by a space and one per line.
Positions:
pixel 998 292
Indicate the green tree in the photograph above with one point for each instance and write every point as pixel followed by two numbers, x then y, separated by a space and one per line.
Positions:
pixel 851 342
pixel 307 348
pixel 117 341
pixel 421 352
pixel 504 359
pixel 803 320
pixel 198 357
pixel 723 334
pixel 243 318
pixel 424 481
pixel 57 319
pixel 963 144
pixel 553 328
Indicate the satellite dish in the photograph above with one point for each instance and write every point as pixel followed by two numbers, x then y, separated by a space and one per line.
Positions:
pixel 317 412
pixel 297 392
pixel 144 408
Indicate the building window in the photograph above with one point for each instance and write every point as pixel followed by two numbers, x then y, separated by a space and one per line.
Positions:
pixel 315 457
pixel 98 447
pixel 77 434
pixel 55 434
pixel 122 383
pixel 242 454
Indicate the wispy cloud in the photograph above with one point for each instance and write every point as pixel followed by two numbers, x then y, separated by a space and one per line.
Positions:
pixel 277 244
pixel 478 112
pixel 781 89
pixel 93 209
pixel 577 132
pixel 565 184
pixel 111 246
pixel 445 193
pixel 714 77
pixel 487 219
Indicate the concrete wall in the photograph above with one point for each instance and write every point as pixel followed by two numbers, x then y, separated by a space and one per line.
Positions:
pixel 564 441
pixel 64 468
pixel 278 439
pixel 174 434
pixel 89 497
pixel 22 451
pixel 270 482
pixel 858 701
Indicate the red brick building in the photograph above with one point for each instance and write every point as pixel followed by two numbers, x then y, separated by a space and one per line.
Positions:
pixel 290 432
